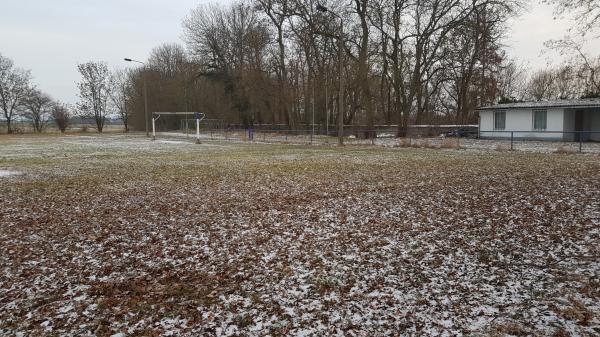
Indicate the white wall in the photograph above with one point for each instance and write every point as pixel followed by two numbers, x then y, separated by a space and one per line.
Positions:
pixel 486 120
pixel 521 120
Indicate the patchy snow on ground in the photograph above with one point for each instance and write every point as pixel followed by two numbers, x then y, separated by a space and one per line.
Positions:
pixel 389 140
pixel 127 237
pixel 9 173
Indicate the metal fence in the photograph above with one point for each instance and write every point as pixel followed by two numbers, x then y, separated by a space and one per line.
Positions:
pixel 565 139
pixel 422 137
pixel 456 139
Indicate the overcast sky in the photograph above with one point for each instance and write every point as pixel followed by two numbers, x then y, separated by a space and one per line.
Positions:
pixel 51 37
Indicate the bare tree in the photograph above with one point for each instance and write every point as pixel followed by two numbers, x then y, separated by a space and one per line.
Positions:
pixel 61 115
pixel 169 59
pixel 14 86
pixel 278 11
pixel 541 85
pixel 512 82
pixel 231 42
pixel 588 66
pixel 585 13
pixel 94 91
pixel 473 58
pixel 120 92
pixel 565 85
pixel 37 106
pixel 274 61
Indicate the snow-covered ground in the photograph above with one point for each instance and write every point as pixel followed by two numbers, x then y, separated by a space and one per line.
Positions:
pixel 120 236
pixel 389 140
pixel 8 173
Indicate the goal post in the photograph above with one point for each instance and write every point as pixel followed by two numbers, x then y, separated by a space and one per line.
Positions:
pixel 198 116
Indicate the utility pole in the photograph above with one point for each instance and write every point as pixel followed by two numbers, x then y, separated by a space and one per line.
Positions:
pixel 145 94
pixel 341 109
pixel 312 135
pixel 326 105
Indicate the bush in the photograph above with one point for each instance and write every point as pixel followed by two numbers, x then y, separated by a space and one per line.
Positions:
pixel 61 116
pixel 448 143
pixel 565 150
pixel 502 147
pixel 405 142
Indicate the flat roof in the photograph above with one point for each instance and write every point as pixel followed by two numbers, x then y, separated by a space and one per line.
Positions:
pixel 564 103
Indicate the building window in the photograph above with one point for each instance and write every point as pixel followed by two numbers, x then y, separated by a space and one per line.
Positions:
pixel 540 118
pixel 499 120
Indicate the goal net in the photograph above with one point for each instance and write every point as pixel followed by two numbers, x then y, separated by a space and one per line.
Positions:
pixel 177 124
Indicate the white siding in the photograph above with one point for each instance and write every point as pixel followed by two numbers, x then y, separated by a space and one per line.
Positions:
pixel 486 120
pixel 521 120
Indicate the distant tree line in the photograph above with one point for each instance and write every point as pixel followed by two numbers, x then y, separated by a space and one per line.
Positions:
pixel 20 98
pixel 274 61
pixel 102 93
pixel 402 62
pixel 360 62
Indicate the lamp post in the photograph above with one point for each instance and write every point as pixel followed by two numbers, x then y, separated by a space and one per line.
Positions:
pixel 312 134
pixel 341 109
pixel 326 105
pixel 145 92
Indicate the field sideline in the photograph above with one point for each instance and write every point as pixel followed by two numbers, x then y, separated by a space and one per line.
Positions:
pixel 115 235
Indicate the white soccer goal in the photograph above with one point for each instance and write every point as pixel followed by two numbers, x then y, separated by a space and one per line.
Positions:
pixel 178 124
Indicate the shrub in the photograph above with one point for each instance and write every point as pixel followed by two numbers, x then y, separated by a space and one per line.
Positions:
pixel 61 116
pixel 565 150
pixel 502 147
pixel 405 142
pixel 448 143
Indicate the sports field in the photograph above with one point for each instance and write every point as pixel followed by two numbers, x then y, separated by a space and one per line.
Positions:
pixel 118 236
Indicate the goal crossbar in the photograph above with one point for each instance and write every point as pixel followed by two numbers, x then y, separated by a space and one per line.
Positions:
pixel 199 116
pixel 177 113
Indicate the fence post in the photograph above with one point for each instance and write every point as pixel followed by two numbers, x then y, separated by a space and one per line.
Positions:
pixel 580 142
pixel 154 128
pixel 512 138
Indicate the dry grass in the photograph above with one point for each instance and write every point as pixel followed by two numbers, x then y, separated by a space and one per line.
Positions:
pixel 565 150
pixel 510 329
pixel 405 142
pixel 577 312
pixel 502 148
pixel 419 144
pixel 116 234
pixel 450 143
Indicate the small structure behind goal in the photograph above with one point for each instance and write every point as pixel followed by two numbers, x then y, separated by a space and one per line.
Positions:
pixel 198 116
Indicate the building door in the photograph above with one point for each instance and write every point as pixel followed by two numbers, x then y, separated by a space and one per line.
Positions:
pixel 578 125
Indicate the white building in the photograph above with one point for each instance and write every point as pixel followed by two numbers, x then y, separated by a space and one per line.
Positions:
pixel 569 120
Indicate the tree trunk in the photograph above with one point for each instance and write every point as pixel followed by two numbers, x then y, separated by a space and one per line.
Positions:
pixel 363 67
pixel 9 125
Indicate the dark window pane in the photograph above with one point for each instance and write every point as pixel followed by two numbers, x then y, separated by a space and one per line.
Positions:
pixel 539 119
pixel 499 120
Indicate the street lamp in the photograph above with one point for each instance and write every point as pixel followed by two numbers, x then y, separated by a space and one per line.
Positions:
pixel 324 9
pixel 145 93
